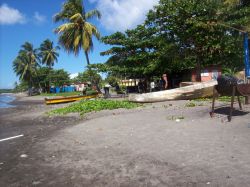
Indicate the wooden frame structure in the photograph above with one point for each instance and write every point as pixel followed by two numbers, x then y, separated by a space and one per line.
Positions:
pixel 236 90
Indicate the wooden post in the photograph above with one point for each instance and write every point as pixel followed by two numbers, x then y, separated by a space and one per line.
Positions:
pixel 239 102
pixel 232 105
pixel 247 100
pixel 213 103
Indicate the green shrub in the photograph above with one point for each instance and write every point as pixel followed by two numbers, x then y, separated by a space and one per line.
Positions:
pixel 91 92
pixel 86 106
pixel 191 104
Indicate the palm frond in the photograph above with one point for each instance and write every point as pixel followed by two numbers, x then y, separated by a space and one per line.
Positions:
pixel 93 13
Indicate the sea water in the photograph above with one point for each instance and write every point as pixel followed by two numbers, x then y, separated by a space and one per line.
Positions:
pixel 5 100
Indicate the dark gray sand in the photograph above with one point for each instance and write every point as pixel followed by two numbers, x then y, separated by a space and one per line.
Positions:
pixel 148 146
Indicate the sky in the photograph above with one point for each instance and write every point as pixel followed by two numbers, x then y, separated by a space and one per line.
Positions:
pixel 31 20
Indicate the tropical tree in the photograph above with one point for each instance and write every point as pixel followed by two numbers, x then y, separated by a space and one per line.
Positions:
pixel 25 67
pixel 59 77
pixel 32 53
pixel 88 75
pixel 76 33
pixel 48 53
pixel 180 35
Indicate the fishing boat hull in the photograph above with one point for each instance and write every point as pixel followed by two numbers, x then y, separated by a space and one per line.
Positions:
pixel 68 99
pixel 199 90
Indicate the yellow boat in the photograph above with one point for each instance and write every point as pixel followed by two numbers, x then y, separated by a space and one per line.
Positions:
pixel 57 100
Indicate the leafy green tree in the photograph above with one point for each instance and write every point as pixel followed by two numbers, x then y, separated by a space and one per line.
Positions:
pixel 21 87
pixel 48 53
pixel 179 35
pixel 59 77
pixel 77 32
pixel 88 76
pixel 43 75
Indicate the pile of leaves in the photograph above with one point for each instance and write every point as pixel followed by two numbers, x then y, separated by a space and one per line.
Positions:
pixel 86 106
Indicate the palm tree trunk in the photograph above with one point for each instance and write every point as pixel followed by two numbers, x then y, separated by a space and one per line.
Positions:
pixel 87 57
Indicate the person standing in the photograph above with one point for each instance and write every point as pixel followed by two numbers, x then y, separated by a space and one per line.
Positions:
pixel 165 81
pixel 140 86
pixel 106 90
pixel 152 86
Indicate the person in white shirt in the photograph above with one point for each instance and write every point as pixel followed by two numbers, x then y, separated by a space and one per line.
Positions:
pixel 106 90
pixel 152 86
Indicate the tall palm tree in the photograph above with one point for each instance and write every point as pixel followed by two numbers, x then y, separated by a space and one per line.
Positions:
pixel 76 33
pixel 24 67
pixel 30 51
pixel 48 53
pixel 25 64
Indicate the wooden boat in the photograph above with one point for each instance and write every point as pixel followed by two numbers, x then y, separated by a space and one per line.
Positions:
pixel 57 100
pixel 197 90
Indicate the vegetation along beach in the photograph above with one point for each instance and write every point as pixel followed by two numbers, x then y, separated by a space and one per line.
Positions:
pixel 124 93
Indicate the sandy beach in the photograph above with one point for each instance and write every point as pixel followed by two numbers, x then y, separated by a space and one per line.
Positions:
pixel 147 146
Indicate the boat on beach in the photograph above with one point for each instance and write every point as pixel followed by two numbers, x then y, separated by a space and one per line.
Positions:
pixel 60 99
pixel 197 90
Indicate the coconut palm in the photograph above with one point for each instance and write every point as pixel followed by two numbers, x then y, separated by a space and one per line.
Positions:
pixel 76 33
pixel 48 53
pixel 25 63
pixel 24 67
pixel 30 51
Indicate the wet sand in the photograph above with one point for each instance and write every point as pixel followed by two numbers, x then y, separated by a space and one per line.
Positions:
pixel 139 147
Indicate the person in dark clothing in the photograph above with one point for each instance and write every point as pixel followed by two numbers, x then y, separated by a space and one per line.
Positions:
pixel 106 90
pixel 140 86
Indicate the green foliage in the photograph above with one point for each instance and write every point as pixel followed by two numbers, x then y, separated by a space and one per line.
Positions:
pixel 174 118
pixel 190 104
pixel 76 33
pixel 180 35
pixel 48 53
pixel 26 63
pixel 61 94
pixel 112 80
pixel 59 77
pixel 6 91
pixel 86 106
pixel 89 75
pixel 91 92
pixel 227 99
pixel 21 87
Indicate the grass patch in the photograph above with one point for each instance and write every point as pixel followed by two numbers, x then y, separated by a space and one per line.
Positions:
pixel 173 118
pixel 221 98
pixel 86 106
pixel 228 99
pixel 190 104
pixel 202 99
pixel 61 94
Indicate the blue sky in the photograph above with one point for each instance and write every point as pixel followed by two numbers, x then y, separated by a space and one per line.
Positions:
pixel 31 20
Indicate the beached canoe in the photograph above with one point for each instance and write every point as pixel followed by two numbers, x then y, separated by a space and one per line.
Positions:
pixel 57 100
pixel 197 90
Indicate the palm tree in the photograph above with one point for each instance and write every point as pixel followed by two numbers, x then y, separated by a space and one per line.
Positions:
pixel 24 67
pixel 28 49
pixel 76 33
pixel 48 53
pixel 26 63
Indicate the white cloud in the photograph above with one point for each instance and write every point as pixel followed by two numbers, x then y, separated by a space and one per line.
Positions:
pixel 119 15
pixel 39 18
pixel 73 75
pixel 10 15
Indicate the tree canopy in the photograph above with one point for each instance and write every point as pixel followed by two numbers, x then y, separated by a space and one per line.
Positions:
pixel 76 33
pixel 179 35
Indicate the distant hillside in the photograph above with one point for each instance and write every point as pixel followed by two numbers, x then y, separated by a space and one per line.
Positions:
pixel 6 90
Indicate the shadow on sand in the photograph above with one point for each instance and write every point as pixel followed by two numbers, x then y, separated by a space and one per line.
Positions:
pixel 226 111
